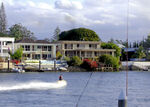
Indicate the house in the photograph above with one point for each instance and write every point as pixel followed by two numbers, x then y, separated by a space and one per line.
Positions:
pixel 6 44
pixel 131 52
pixel 83 49
pixel 36 49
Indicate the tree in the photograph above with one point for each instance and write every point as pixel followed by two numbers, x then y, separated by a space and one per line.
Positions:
pixel 67 59
pixel 110 60
pixel 56 34
pixel 146 43
pixel 4 35
pixel 58 55
pixel 79 34
pixel 89 65
pixel 74 61
pixel 3 22
pixel 112 46
pixel 139 53
pixel 18 31
pixel 17 55
pixel 111 40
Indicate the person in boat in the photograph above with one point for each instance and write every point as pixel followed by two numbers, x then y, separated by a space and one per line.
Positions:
pixel 60 77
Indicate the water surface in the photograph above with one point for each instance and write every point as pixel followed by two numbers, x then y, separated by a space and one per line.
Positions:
pixel 31 90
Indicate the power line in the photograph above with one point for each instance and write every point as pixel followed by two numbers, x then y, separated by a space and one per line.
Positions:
pixel 84 89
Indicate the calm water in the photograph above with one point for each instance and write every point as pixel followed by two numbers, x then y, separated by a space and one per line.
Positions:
pixel 41 89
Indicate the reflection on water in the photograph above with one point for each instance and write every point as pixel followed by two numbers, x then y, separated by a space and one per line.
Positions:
pixel 42 90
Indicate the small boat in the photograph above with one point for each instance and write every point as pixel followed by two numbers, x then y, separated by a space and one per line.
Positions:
pixel 62 68
pixel 19 70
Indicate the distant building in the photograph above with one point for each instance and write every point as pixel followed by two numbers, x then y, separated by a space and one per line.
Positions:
pixel 83 49
pixel 6 44
pixel 130 51
pixel 36 49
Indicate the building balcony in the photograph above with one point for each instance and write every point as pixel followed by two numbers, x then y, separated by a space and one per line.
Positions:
pixel 4 55
pixel 6 47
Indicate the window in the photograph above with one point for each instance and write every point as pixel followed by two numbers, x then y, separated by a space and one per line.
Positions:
pixel 44 56
pixel 95 53
pixel 95 46
pixel 71 46
pixel 39 47
pixel 65 46
pixel 49 55
pixel 90 45
pixel 27 47
pixel 28 55
pixel 44 48
pixel 49 48
pixel 78 45
pixel 65 53
pixel 110 53
pixel 37 56
pixel 5 51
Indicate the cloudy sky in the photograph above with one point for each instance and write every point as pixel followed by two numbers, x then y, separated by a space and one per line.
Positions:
pixel 106 17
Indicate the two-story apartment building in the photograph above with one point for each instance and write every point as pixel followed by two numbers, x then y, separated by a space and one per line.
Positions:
pixel 6 44
pixel 36 49
pixel 83 49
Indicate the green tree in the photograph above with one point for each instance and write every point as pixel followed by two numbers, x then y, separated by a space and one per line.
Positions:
pixel 139 53
pixel 17 54
pixel 79 34
pixel 4 35
pixel 67 59
pixel 58 55
pixel 56 34
pixel 110 60
pixel 112 46
pixel 146 43
pixel 74 61
pixel 111 40
pixel 3 22
pixel 18 31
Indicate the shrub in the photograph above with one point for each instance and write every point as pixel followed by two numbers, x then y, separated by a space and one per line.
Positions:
pixel 109 60
pixel 112 46
pixel 17 54
pixel 67 58
pixel 74 61
pixel 89 64
pixel 58 55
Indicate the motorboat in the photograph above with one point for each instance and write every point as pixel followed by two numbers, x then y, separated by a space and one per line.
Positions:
pixel 19 70
pixel 62 68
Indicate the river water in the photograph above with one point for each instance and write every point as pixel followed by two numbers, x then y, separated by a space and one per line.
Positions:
pixel 43 90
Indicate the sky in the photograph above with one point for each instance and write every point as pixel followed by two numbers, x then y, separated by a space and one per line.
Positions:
pixel 108 18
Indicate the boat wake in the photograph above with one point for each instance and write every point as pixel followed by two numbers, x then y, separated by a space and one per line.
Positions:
pixel 35 85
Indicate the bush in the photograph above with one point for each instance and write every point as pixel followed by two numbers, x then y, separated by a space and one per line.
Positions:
pixel 112 46
pixel 67 58
pixel 74 61
pixel 110 60
pixel 17 54
pixel 58 55
pixel 89 64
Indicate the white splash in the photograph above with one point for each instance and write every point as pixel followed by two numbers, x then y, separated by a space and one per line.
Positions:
pixel 37 85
